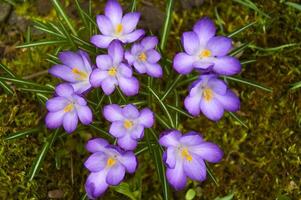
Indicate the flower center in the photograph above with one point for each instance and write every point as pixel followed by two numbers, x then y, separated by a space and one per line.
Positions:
pixel 128 124
pixel 185 154
pixel 205 53
pixel 142 57
pixel 207 94
pixel 81 75
pixel 69 107
pixel 111 162
pixel 112 71
pixel 118 29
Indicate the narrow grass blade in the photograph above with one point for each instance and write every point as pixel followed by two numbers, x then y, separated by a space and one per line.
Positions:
pixel 251 5
pixel 21 134
pixel 171 87
pixel 48 31
pixel 134 5
pixel 247 62
pixel 239 120
pixel 35 168
pixel 84 197
pixel 167 24
pixel 248 82
pixel 42 98
pixel 211 175
pixel 10 73
pixel 271 49
pixel 42 43
pixel 239 49
pixel 6 88
pixel 178 110
pixel 294 5
pixel 94 126
pixel 24 82
pixel 35 90
pixel 162 122
pixel 296 86
pixel 237 31
pixel 140 151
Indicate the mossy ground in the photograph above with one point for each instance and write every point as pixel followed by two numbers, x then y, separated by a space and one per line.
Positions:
pixel 262 162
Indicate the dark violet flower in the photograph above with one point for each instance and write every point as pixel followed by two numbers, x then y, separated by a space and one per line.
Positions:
pixel 205 51
pixel 128 123
pixel 113 25
pixel 112 72
pixel 66 108
pixel 107 165
pixel 211 96
pixel 76 70
pixel 185 155
pixel 144 57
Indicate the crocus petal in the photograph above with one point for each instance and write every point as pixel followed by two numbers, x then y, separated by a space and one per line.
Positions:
pixel 154 70
pixel 125 71
pixel 170 158
pixel 205 29
pixel 86 60
pixel 146 118
pixel 104 24
pixel 140 67
pixel 203 64
pixel 63 72
pixel 208 151
pixel 127 143
pixel 108 85
pixel 136 49
pixel 191 43
pixel 104 62
pixel 130 21
pixel 117 129
pixel 70 121
pixel 81 87
pixel 192 104
pixel 226 65
pixel 113 11
pixel 113 113
pixel 183 63
pixel 56 104
pixel 217 85
pixel 54 119
pixel 130 111
pixel 132 37
pixel 195 169
pixel 96 184
pixel 129 86
pixel 64 90
pixel 170 138
pixel 79 100
pixel 96 162
pixel 212 109
pixel 153 56
pixel 229 101
pixel 116 52
pixel 130 58
pixel 72 60
pixel 191 139
pixel 129 161
pixel 96 145
pixel 137 132
pixel 115 174
pixel 176 176
pixel 97 76
pixel 149 42
pixel 101 41
pixel 84 114
pixel 219 45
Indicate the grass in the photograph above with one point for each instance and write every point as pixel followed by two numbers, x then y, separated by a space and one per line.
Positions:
pixel 262 160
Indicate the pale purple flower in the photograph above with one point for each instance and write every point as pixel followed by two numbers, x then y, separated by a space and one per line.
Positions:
pixel 205 51
pixel 112 72
pixel 144 57
pixel 128 123
pixel 76 70
pixel 185 155
pixel 113 25
pixel 211 96
pixel 107 165
pixel 66 108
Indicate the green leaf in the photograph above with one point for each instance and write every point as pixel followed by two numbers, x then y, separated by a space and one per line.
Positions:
pixel 178 110
pixel 237 31
pixel 239 49
pixel 21 134
pixel 10 73
pixel 190 194
pixel 6 88
pixel 171 87
pixel 239 120
pixel 134 5
pixel 294 5
pixel 167 24
pixel 251 5
pixel 228 197
pixel 124 188
pixel 296 86
pixel 211 175
pixel 248 82
pixel 42 43
pixel 272 49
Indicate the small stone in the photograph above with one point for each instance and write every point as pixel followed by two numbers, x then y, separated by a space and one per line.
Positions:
pixel 56 194
pixel 20 22
pixel 4 11
pixel 43 6
pixel 152 18
pixel 189 4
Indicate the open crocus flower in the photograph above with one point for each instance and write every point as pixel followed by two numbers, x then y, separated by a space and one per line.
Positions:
pixel 112 72
pixel 76 70
pixel 66 108
pixel 128 123
pixel 107 165
pixel 113 26
pixel 185 155
pixel 144 57
pixel 211 96
pixel 205 51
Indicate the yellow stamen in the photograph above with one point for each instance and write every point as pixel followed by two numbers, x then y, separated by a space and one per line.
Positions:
pixel 207 94
pixel 185 154
pixel 112 71
pixel 111 162
pixel 128 124
pixel 142 57
pixel 82 75
pixel 69 107
pixel 119 29
pixel 205 53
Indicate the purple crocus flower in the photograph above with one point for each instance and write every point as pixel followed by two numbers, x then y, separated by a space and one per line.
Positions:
pixel 112 72
pixel 113 25
pixel 66 108
pixel 128 123
pixel 76 69
pixel 144 57
pixel 211 96
pixel 107 165
pixel 185 155
pixel 205 51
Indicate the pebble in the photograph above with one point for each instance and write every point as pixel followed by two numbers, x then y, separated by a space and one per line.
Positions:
pixel 4 11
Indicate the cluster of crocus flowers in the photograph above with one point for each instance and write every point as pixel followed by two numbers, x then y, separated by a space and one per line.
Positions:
pixel 207 54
